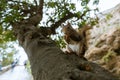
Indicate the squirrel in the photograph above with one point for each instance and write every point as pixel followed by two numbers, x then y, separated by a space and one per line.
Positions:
pixel 75 40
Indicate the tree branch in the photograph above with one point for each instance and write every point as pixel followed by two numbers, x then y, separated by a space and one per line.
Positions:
pixel 57 24
pixel 41 7
pixel 68 16
pixel 35 2
pixel 51 30
pixel 34 20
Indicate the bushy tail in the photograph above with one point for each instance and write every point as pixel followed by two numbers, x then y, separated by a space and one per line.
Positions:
pixel 83 42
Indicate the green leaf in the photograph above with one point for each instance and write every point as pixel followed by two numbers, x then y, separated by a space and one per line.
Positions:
pixel 72 6
pixel 52 4
pixel 109 16
pixel 78 14
pixel 96 2
pixel 84 2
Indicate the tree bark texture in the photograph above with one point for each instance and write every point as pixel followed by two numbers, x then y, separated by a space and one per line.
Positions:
pixel 48 62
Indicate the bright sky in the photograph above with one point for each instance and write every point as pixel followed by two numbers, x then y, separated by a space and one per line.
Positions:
pixel 107 4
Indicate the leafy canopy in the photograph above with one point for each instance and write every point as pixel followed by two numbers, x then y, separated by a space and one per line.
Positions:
pixel 12 11
pixel 55 12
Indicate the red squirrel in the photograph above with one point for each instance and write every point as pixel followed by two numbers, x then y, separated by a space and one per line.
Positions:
pixel 75 41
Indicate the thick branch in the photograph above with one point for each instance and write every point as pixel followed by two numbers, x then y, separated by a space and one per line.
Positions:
pixel 34 20
pixel 36 14
pixel 41 7
pixel 35 2
pixel 58 23
pixel 51 30
pixel 68 16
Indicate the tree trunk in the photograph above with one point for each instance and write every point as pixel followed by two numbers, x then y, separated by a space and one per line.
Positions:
pixel 48 62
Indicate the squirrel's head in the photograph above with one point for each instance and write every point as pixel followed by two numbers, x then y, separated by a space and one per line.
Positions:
pixel 66 28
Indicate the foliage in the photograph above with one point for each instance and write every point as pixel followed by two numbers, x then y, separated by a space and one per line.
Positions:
pixel 6 35
pixel 16 10
pixel 108 56
pixel 7 59
pixel 7 51
pixel 54 10
pixel 12 11
pixel 109 16
pixel 28 66
pixel 60 42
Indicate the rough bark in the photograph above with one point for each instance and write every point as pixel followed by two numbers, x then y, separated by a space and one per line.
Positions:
pixel 48 62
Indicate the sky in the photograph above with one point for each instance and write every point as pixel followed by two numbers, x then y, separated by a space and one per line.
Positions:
pixel 103 4
pixel 107 4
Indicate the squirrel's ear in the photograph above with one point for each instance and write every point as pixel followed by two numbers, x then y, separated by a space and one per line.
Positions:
pixel 68 23
pixel 62 25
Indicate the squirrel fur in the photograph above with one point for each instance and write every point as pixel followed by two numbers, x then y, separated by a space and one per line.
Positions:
pixel 75 40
